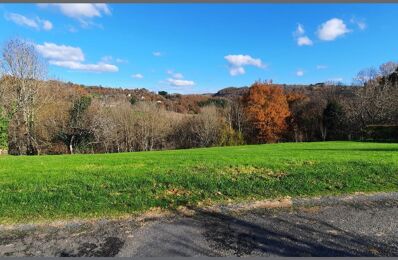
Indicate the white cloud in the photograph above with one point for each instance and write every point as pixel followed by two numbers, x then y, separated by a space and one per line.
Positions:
pixel 180 82
pixel 74 65
pixel 137 76
pixel 35 23
pixel 177 80
pixel 157 53
pixel 304 41
pixel 321 67
pixel 299 73
pixel 53 51
pixel 81 10
pixel 72 58
pixel 243 60
pixel 236 63
pixel 332 29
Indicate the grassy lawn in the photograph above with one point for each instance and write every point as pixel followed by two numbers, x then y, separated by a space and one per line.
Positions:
pixel 62 187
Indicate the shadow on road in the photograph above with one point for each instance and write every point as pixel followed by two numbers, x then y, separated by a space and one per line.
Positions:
pixel 293 235
pixel 282 232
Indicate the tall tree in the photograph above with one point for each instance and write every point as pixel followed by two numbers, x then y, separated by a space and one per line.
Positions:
pixel 24 70
pixel 297 101
pixel 333 120
pixel 267 109
pixel 78 130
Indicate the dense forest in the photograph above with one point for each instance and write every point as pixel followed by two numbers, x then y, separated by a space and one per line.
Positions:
pixel 41 116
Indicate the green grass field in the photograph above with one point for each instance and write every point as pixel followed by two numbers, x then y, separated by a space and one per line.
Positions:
pixel 88 186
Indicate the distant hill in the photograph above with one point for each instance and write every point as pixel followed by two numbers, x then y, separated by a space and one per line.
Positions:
pixel 231 92
pixel 192 103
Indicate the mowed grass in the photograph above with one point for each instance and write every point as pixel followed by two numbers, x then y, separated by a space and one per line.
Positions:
pixel 44 188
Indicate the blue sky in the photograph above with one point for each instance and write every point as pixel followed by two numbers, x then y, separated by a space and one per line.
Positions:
pixel 197 48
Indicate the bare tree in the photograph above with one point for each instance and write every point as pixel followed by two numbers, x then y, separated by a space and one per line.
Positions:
pixel 151 126
pixel 365 76
pixel 23 69
pixel 375 102
pixel 387 68
pixel 237 114
pixel 201 130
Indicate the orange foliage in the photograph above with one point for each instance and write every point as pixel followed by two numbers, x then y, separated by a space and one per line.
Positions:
pixel 266 107
pixel 295 96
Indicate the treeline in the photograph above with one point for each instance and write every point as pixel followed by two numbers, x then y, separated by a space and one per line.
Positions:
pixel 38 116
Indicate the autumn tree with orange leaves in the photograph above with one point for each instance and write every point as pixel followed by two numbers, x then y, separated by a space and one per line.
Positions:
pixel 266 109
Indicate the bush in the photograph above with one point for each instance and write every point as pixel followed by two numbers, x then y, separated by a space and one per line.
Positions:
pixel 381 132
pixel 217 102
pixel 230 137
pixel 163 93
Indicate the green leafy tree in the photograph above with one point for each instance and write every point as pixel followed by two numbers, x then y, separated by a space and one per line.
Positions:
pixel 133 100
pixel 163 93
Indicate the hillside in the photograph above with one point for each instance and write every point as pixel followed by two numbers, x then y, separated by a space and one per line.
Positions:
pixel 190 103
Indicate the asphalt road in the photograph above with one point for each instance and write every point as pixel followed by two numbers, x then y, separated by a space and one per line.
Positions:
pixel 332 226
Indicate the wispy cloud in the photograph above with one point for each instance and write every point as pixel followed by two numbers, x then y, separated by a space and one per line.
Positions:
pixel 111 59
pixel 300 30
pixel 119 60
pixel 157 53
pixel 321 67
pixel 236 63
pixel 361 24
pixel 137 76
pixel 302 39
pixel 175 75
pixel 35 23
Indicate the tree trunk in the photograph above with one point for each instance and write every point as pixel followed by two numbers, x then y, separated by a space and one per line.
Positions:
pixel 71 144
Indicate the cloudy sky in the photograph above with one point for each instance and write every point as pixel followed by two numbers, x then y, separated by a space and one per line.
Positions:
pixel 196 48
